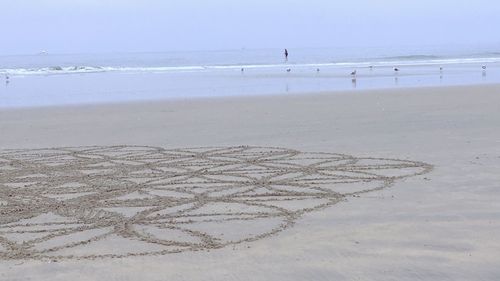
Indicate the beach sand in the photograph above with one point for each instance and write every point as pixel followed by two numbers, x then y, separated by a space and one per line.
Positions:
pixel 443 224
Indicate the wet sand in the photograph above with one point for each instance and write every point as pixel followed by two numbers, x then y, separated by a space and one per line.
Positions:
pixel 442 225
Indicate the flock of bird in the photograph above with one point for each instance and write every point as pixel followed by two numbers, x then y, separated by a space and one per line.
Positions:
pixel 353 73
pixel 396 70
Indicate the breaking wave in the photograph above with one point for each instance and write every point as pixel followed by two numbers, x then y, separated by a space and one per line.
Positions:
pixel 414 60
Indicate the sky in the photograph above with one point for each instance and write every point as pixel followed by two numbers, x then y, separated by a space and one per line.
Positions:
pixel 100 26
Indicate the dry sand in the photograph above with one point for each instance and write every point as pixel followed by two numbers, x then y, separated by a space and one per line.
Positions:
pixel 441 225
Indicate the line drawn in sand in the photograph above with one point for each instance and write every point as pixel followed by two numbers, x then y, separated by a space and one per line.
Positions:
pixel 122 201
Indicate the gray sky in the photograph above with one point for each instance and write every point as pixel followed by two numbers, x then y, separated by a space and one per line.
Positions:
pixel 83 26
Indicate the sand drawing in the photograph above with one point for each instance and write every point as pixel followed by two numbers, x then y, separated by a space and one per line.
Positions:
pixel 122 201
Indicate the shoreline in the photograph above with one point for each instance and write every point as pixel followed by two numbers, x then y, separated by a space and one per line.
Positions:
pixel 102 88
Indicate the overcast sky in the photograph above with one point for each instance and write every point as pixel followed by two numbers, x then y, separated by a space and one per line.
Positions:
pixel 89 26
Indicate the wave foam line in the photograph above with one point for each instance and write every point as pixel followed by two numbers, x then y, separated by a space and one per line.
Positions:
pixel 387 63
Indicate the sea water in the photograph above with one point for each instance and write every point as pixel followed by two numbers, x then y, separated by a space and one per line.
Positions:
pixel 64 79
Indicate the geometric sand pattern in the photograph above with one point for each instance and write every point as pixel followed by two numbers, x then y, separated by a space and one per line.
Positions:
pixel 121 201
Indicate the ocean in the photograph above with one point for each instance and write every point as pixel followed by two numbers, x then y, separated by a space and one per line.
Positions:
pixel 46 79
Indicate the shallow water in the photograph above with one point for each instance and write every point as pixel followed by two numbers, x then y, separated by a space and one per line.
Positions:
pixel 106 87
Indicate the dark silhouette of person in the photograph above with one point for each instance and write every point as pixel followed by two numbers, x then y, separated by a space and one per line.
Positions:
pixel 286 55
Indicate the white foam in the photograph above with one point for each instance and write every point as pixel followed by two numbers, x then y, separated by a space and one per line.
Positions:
pixel 199 68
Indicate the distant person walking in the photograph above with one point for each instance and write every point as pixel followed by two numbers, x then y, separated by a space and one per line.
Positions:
pixel 286 55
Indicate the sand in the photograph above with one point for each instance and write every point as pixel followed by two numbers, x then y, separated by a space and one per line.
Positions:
pixel 439 224
pixel 74 202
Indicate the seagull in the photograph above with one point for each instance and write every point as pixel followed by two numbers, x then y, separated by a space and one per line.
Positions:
pixel 288 70
pixel 396 69
pixel 7 77
pixel 242 69
pixel 317 69
pixel 484 67
pixel 371 67
pixel 353 73
pixel 440 68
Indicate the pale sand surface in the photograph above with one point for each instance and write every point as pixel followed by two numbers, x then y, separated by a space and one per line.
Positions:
pixel 443 225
